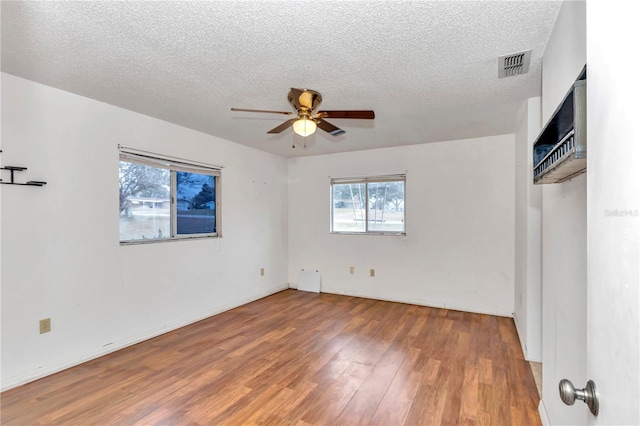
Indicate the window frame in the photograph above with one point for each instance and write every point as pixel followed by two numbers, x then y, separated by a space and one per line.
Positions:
pixel 367 180
pixel 176 165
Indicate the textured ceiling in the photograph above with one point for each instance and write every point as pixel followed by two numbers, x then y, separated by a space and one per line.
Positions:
pixel 428 69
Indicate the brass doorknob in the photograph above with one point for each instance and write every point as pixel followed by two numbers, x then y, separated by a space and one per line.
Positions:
pixel 569 394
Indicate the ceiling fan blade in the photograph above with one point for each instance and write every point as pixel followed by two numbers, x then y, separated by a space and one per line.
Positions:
pixel 261 110
pixel 328 127
pixel 360 114
pixel 283 126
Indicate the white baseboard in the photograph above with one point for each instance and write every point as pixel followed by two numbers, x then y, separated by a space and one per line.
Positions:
pixel 409 301
pixel 454 307
pixel 543 414
pixel 525 351
pixel 523 345
pixel 46 370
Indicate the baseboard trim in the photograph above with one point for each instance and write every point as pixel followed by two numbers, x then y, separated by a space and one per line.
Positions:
pixel 47 370
pixel 453 307
pixel 542 411
pixel 522 343
pixel 525 352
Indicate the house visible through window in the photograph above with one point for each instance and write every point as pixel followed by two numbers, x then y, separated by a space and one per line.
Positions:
pixel 374 205
pixel 162 199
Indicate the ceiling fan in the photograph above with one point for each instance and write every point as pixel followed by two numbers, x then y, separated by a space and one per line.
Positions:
pixel 306 102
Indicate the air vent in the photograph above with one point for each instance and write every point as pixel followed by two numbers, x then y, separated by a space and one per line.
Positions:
pixel 514 64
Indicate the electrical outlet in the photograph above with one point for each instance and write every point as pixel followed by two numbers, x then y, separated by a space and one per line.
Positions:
pixel 45 325
pixel 352 270
pixel 372 272
pixel 262 272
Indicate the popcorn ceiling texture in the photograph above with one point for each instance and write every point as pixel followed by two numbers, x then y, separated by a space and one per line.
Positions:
pixel 428 69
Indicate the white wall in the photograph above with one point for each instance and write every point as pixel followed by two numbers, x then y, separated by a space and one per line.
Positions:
pixel 613 185
pixel 564 236
pixel 528 245
pixel 61 257
pixel 458 251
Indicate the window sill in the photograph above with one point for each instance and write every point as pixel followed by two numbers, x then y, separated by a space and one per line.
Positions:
pixel 392 234
pixel 166 240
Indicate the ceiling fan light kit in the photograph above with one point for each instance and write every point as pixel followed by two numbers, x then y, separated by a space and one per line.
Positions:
pixel 308 119
pixel 304 126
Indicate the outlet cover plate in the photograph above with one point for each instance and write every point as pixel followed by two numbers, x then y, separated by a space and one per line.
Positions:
pixel 45 325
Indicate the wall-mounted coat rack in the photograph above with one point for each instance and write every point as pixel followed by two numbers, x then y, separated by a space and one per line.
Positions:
pixel 14 169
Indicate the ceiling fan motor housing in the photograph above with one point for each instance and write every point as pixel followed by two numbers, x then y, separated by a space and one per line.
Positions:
pixel 305 99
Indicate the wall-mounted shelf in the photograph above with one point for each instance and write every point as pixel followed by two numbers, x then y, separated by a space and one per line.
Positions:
pixel 14 169
pixel 560 151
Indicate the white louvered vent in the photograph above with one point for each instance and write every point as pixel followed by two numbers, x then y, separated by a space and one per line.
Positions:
pixel 514 64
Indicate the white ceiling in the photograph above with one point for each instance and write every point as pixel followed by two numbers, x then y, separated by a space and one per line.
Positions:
pixel 429 69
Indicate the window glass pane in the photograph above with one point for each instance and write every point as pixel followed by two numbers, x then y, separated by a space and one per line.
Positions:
pixel 144 202
pixel 196 203
pixel 349 202
pixel 386 206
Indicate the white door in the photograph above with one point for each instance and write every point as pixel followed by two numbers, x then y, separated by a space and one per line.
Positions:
pixel 613 205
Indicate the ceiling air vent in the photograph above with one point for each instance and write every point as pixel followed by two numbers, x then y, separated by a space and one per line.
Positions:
pixel 514 64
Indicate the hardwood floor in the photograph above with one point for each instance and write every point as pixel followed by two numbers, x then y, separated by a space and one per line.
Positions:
pixel 300 358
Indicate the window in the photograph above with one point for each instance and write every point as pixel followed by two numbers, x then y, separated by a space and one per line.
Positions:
pixel 372 205
pixel 166 199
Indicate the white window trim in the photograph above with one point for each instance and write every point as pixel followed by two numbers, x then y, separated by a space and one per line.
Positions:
pixel 366 180
pixel 174 164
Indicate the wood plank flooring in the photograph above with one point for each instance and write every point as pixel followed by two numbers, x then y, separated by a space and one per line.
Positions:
pixel 300 358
